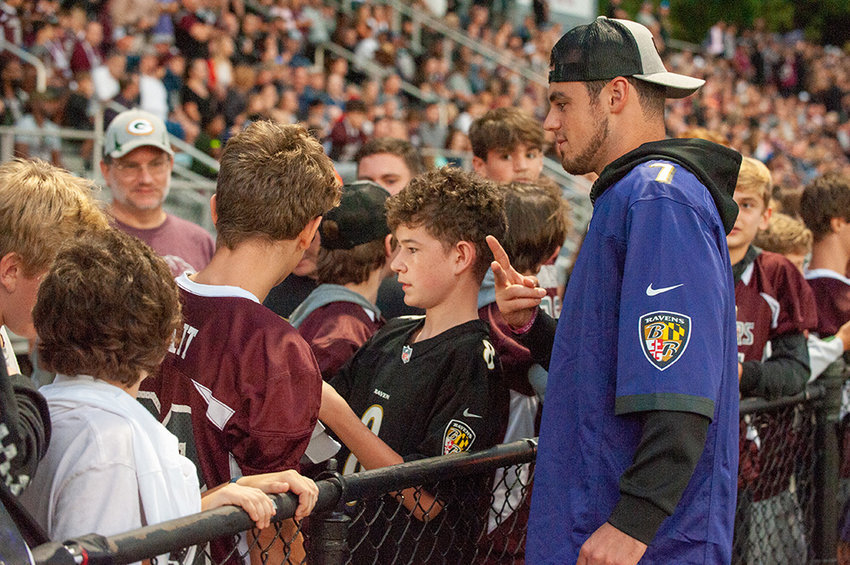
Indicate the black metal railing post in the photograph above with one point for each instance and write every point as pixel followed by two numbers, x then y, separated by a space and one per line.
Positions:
pixel 827 463
pixel 328 539
pixel 328 531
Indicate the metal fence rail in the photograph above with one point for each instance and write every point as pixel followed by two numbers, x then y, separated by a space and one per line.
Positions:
pixel 787 511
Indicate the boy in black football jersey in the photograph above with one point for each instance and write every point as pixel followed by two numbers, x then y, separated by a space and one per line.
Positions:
pixel 775 308
pixel 429 385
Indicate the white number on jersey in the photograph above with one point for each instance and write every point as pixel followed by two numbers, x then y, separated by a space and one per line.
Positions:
pixel 372 418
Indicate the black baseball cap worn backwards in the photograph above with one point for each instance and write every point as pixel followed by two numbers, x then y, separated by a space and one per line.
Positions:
pixel 610 48
pixel 361 216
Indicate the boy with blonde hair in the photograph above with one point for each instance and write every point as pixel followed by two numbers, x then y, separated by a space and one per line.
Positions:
pixel 428 385
pixel 240 388
pixel 775 309
pixel 787 236
pixel 41 208
pixel 765 283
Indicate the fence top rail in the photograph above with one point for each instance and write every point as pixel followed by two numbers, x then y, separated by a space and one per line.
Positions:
pixel 813 392
pixel 157 539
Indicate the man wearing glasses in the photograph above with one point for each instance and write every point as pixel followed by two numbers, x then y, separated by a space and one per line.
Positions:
pixel 136 165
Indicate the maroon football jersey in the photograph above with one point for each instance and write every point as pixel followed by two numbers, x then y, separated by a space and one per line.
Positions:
pixel 335 332
pixel 240 388
pixel 832 294
pixel 771 299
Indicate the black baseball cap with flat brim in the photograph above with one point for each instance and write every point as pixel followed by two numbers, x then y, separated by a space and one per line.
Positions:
pixel 610 48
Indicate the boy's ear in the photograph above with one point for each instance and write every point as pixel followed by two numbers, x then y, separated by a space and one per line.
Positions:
pixel 836 223
pixel 11 269
pixel 388 246
pixel 765 218
pixel 478 165
pixel 552 258
pixel 213 211
pixel 305 238
pixel 465 256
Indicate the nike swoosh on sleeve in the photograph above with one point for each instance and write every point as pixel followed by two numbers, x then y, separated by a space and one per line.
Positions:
pixel 655 291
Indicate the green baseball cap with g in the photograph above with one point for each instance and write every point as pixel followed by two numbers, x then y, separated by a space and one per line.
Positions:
pixel 132 129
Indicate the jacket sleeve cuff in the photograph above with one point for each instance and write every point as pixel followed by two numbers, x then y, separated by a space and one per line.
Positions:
pixel 637 518
pixel 750 377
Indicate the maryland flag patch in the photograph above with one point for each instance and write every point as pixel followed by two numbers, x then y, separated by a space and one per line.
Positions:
pixel 664 337
pixel 458 437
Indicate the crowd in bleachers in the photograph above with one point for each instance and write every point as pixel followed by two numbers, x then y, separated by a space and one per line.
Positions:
pixel 210 67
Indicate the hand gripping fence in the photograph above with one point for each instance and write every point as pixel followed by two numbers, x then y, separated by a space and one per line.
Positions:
pixel 789 505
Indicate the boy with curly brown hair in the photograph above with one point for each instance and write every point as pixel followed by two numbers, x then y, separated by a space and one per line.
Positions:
pixel 41 208
pixel 428 385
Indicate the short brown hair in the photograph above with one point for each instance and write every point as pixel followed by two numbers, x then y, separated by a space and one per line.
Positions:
pixel 452 205
pixel 537 223
pixel 504 128
pixel 825 198
pixel 785 234
pixel 394 146
pixel 343 266
pixel 754 178
pixel 108 308
pixel 274 179
pixel 41 208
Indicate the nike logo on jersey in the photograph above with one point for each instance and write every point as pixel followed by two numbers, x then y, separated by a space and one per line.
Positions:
pixel 655 291
pixel 468 414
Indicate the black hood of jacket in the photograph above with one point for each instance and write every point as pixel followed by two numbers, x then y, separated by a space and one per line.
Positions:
pixel 714 165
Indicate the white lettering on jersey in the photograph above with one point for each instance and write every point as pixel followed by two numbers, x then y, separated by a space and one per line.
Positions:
pixel 218 412
pixel 382 394
pixel 745 332
pixel 189 334
pixel 489 354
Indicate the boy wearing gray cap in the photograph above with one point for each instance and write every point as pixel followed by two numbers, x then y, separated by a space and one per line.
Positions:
pixel 639 440
pixel 137 163
pixel 340 314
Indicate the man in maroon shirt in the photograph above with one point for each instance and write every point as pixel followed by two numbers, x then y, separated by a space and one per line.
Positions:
pixel 137 163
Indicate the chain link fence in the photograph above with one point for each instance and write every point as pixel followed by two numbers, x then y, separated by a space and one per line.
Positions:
pixel 473 507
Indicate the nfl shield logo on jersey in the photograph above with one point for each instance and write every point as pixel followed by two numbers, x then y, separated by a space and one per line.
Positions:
pixel 664 337
pixel 406 353
pixel 458 437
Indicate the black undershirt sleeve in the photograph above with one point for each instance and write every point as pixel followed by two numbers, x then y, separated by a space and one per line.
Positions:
pixel 669 450
pixel 540 338
pixel 784 373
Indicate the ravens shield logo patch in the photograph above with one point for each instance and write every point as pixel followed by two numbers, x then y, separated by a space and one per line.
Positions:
pixel 664 337
pixel 458 437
